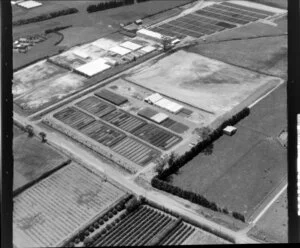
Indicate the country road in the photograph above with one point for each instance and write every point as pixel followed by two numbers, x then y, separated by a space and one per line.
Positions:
pixel 78 153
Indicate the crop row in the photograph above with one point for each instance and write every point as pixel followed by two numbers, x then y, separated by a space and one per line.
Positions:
pixel 136 229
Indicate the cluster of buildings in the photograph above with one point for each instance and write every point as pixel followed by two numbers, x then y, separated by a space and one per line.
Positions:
pixel 22 45
pixel 164 103
pixel 26 4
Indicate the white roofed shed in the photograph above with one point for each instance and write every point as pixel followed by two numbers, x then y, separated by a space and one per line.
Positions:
pixel 92 68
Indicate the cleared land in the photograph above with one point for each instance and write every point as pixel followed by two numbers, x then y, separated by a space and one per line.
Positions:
pixel 238 172
pixel 48 91
pixel 53 210
pixel 273 226
pixel 32 159
pixel 202 82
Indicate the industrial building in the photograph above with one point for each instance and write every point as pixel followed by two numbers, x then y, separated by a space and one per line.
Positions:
pixel 92 68
pixel 130 45
pixel 164 103
pixel 145 33
pixel 119 50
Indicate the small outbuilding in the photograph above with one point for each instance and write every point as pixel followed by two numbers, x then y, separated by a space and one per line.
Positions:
pixel 229 130
pixel 139 22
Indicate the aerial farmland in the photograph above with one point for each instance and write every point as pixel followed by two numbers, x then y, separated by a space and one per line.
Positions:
pixel 139 123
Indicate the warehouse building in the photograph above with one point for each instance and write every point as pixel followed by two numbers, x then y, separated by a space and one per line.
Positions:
pixel 119 50
pixel 29 4
pixel 153 98
pixel 130 45
pixel 170 106
pixel 92 68
pixel 159 117
pixel 145 33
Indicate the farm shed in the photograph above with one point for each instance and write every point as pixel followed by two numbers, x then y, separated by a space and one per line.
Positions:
pixel 159 118
pixel 174 42
pixel 119 50
pixel 131 45
pixel 172 107
pixel 229 130
pixel 145 33
pixel 148 49
pixel 94 67
pixel 111 97
pixel 138 22
pixel 29 4
pixel 153 98
pixel 80 54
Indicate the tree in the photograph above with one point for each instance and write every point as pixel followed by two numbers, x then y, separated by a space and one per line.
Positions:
pixel 29 130
pixel 43 136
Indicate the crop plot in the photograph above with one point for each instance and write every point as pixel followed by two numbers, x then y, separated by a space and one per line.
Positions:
pixel 211 19
pixel 124 120
pixel 54 209
pixel 95 106
pixel 111 97
pixel 136 151
pixel 74 118
pixel 157 136
pixel 102 133
pixel 234 13
pixel 169 123
pixel 137 228
pixel 178 235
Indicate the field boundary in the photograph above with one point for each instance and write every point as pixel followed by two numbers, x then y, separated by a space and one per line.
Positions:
pixel 88 144
pixel 40 178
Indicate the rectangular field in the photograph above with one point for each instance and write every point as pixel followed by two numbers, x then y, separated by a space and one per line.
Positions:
pixel 202 82
pixel 169 123
pixel 95 106
pixel 273 225
pixel 55 208
pixel 32 159
pixel 103 133
pixel 136 151
pixel 157 136
pixel 29 77
pixel 111 97
pixel 124 120
pixel 74 118
pixel 239 172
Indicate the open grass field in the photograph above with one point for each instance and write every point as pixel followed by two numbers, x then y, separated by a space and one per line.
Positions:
pixel 54 209
pixel 273 226
pixel 32 158
pixel 238 172
pixel 202 82
pixel 250 47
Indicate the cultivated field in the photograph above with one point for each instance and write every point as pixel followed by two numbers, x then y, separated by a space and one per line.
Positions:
pixel 105 134
pixel 200 237
pixel 238 172
pixel 140 227
pixel 273 226
pixel 54 209
pixel 32 159
pixel 202 82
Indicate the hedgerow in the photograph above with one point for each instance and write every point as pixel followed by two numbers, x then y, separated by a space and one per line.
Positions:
pixel 46 16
